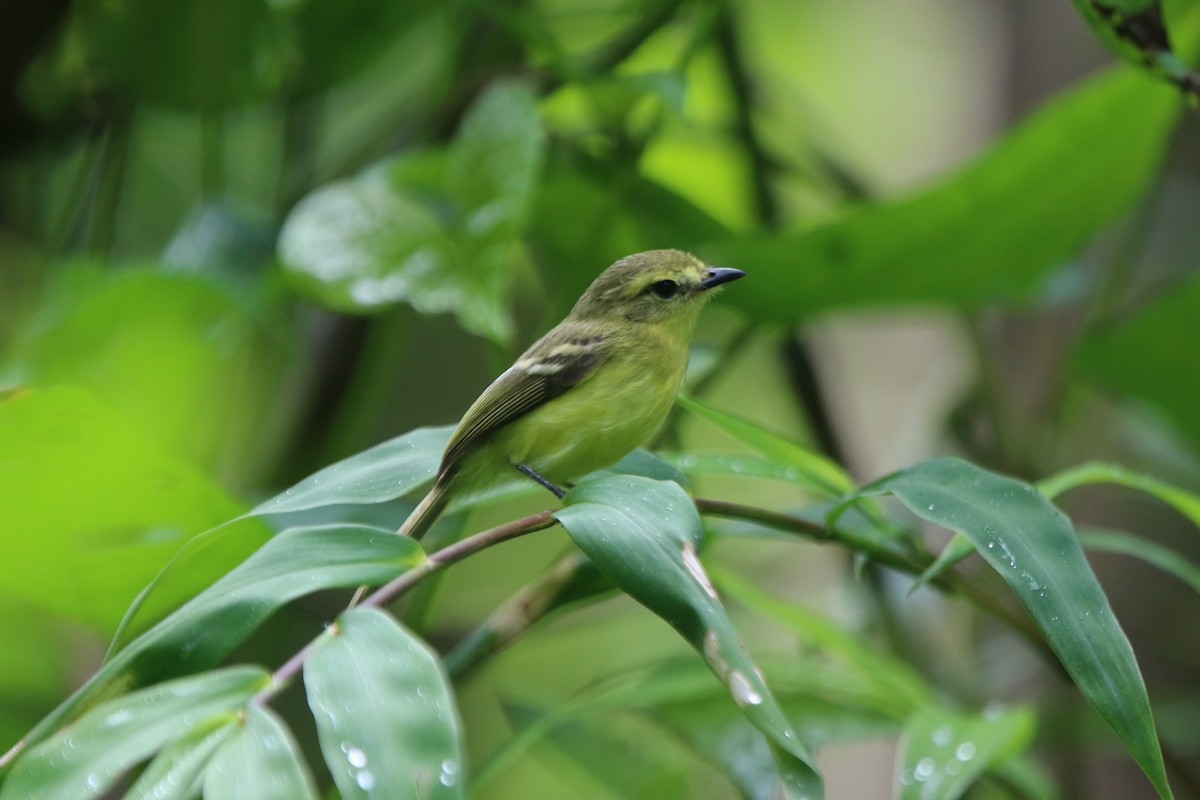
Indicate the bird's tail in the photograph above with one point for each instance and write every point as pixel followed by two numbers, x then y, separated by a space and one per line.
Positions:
pixel 426 513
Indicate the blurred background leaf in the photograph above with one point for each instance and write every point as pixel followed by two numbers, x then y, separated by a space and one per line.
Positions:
pixel 241 242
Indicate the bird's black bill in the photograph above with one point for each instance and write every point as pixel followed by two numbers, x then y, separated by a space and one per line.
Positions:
pixel 719 275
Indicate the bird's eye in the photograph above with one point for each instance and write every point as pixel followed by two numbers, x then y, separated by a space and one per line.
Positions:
pixel 665 289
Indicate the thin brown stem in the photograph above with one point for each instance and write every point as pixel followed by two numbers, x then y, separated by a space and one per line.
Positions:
pixel 405 582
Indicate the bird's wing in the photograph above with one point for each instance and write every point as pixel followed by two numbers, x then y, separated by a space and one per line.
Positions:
pixel 555 363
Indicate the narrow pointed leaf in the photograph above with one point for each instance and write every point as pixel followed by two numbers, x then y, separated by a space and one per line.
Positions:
pixel 870 677
pixel 88 757
pixel 999 213
pixel 1033 546
pixel 381 473
pixel 1166 559
pixel 177 772
pixel 1183 501
pixel 199 634
pixel 385 714
pixel 644 536
pixel 958 548
pixel 261 760
pixel 945 752
pixel 623 757
pixel 818 472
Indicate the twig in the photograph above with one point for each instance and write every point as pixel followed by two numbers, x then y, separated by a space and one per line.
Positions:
pixel 403 583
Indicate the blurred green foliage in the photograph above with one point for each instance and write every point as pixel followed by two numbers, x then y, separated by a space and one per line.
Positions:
pixel 242 239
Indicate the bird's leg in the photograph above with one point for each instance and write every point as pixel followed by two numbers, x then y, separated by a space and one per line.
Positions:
pixel 530 472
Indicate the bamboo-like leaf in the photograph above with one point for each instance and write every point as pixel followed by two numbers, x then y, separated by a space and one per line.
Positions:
pixel 818 472
pixel 999 214
pixel 385 714
pixel 199 634
pixel 944 751
pixel 644 536
pixel 177 772
pixel 261 760
pixel 1032 545
pixel 870 677
pixel 1166 559
pixel 384 472
pixel 1183 501
pixel 90 755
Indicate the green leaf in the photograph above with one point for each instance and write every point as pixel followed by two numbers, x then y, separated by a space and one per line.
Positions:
pixel 736 465
pixel 945 751
pixel 1137 31
pixel 818 472
pixel 153 344
pixel 294 563
pixel 363 244
pixel 1153 554
pixel 385 713
pixel 89 756
pixel 1034 548
pixel 496 158
pixel 196 55
pixel 377 239
pixel 1183 501
pixel 340 38
pixel 96 509
pixel 177 772
pixel 849 669
pixel 217 238
pixel 381 473
pixel 644 536
pixel 622 759
pixel 261 760
pixel 1148 358
pixel 720 736
pixel 1001 214
pixel 958 548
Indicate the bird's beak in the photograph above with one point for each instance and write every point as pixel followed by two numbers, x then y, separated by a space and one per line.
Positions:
pixel 719 275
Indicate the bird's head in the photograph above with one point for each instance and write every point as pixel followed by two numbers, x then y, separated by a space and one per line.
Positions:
pixel 654 286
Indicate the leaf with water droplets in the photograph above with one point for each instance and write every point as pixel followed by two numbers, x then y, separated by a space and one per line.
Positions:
pixel 643 535
pixel 295 563
pixel 261 760
pixel 177 772
pixel 385 714
pixel 1033 546
pixel 945 752
pixel 89 756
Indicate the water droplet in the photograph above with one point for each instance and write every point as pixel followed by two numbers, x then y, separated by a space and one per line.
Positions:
pixel 743 693
pixel 365 780
pixel 941 736
pixel 356 757
pixel 692 562
pixel 924 769
pixel 965 751
pixel 449 774
pixel 117 718
pixel 94 781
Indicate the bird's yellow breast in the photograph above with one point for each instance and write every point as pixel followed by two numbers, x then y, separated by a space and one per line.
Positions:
pixel 616 409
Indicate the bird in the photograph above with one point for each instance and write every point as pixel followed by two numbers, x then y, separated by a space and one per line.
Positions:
pixel 595 387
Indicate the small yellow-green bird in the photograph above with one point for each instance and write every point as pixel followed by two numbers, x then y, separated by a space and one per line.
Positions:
pixel 588 392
